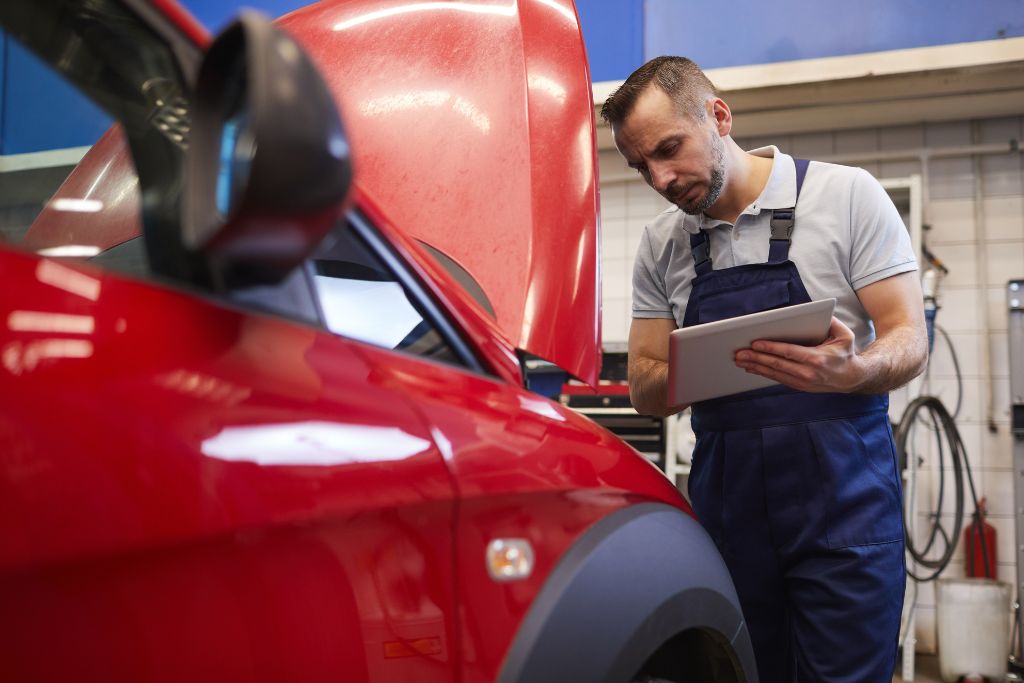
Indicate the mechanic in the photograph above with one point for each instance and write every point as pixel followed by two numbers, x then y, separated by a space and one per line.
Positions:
pixel 796 483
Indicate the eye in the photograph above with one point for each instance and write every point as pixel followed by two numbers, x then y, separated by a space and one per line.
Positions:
pixel 669 150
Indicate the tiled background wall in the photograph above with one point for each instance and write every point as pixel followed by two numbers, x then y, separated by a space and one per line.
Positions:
pixel 974 206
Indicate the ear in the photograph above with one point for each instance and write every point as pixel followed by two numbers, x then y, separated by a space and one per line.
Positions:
pixel 722 115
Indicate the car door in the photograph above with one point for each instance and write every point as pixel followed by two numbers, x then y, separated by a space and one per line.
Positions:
pixel 525 468
pixel 191 489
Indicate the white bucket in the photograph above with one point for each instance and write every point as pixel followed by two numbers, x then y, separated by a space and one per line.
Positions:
pixel 973 622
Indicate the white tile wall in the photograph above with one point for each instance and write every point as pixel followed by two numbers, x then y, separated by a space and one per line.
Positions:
pixel 613 235
pixel 925 629
pixel 902 137
pixel 613 198
pixel 947 134
pixel 969 392
pixel 1000 176
pixel 1005 261
pixel 997 450
pixel 968 295
pixel 1000 129
pixel 960 310
pixel 949 221
pixel 1004 547
pixel 812 145
pixel 966 346
pixel 999 354
pixel 896 169
pixel 961 259
pixel 950 178
pixel 995 299
pixel 925 594
pixel 999 490
pixel 1001 401
pixel 856 141
pixel 1004 218
pixel 970 433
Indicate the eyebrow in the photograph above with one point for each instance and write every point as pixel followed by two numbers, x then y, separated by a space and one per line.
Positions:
pixel 665 141
pixel 673 137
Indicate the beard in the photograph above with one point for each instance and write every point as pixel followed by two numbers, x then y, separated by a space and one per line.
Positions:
pixel 705 201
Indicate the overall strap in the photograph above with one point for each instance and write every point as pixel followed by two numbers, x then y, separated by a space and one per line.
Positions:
pixel 700 245
pixel 783 220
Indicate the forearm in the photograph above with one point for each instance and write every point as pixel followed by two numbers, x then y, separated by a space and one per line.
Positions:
pixel 893 359
pixel 648 386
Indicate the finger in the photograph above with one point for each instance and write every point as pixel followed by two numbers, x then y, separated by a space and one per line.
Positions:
pixel 777 364
pixel 838 330
pixel 796 377
pixel 781 349
pixel 777 376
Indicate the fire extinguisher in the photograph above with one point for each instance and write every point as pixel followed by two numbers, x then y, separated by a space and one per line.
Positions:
pixel 980 556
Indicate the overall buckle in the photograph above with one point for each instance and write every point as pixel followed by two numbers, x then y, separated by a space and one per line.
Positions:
pixel 782 223
pixel 702 253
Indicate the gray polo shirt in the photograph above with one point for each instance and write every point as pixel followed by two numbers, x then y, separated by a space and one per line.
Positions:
pixel 848 234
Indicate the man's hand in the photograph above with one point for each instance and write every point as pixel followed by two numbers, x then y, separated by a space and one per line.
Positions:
pixel 897 355
pixel 831 366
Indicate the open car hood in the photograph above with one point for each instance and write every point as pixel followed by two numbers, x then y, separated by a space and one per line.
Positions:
pixel 471 125
pixel 472 129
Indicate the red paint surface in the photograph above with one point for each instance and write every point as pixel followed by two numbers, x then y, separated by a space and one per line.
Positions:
pixel 192 491
pixel 603 387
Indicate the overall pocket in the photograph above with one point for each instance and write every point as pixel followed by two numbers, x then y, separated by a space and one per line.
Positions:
pixel 863 502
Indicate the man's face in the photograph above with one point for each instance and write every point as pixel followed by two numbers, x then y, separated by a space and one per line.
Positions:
pixel 681 158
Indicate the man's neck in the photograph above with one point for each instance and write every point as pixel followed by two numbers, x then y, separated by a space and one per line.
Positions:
pixel 746 177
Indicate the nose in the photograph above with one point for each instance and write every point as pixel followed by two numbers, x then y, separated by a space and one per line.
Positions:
pixel 662 176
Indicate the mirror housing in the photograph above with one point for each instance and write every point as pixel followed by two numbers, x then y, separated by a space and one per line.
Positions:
pixel 268 165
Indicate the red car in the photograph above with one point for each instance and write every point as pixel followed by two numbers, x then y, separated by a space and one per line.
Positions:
pixel 275 427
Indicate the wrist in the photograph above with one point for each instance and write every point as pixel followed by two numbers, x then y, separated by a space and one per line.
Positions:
pixel 859 378
pixel 874 375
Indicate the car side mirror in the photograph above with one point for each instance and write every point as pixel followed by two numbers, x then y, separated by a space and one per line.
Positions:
pixel 268 166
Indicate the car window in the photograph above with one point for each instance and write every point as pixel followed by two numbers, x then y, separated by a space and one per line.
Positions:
pixel 70 186
pixel 51 126
pixel 362 298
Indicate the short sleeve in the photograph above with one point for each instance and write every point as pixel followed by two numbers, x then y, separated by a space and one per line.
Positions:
pixel 649 298
pixel 881 244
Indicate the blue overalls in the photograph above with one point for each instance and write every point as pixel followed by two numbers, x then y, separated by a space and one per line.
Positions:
pixel 800 493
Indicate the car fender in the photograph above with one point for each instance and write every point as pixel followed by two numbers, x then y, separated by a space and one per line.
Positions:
pixel 634 580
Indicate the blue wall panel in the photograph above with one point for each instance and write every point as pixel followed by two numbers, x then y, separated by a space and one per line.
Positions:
pixel 41 111
pixel 613 32
pixel 217 14
pixel 741 32
pixel 3 84
pixel 37 112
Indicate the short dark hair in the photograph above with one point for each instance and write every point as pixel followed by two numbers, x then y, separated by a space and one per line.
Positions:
pixel 678 77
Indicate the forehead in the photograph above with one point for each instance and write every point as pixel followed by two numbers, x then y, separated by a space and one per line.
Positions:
pixel 653 118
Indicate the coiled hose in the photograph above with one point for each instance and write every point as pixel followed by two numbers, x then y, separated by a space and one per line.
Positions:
pixel 933 413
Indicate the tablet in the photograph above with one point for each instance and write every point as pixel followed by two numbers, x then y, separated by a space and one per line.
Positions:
pixel 701 361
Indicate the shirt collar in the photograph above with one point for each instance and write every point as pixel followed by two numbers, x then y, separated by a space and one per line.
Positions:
pixel 780 190
pixel 778 193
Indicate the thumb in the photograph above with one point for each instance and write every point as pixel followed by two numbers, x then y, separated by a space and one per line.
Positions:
pixel 838 330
